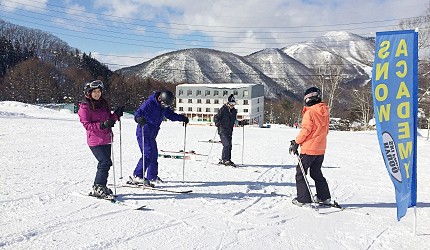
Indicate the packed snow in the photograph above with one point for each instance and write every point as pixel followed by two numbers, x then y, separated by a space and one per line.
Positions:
pixel 46 164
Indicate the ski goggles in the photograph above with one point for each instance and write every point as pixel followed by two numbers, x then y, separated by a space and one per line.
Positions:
pixel 95 84
pixel 310 95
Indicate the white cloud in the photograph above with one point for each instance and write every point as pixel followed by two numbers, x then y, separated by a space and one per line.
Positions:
pixel 272 23
pixel 77 17
pixel 242 26
pixel 38 6
pixel 114 61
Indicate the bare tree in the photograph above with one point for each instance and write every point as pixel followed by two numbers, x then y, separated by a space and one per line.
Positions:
pixel 329 77
pixel 31 81
pixel 362 103
pixel 422 23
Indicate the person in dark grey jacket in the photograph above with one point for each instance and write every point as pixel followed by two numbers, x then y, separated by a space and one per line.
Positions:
pixel 225 120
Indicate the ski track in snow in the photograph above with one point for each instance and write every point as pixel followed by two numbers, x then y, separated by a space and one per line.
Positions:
pixel 45 159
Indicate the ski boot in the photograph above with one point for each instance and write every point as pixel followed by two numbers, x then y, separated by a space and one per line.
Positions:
pixel 102 192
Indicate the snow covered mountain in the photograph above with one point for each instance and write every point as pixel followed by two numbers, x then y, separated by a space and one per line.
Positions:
pixel 203 66
pixel 283 72
pixel 283 69
pixel 353 53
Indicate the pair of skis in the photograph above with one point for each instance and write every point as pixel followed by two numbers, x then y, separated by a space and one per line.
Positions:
pixel 131 184
pixel 191 152
pixel 333 204
pixel 114 200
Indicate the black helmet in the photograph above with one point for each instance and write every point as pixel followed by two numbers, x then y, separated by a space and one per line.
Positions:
pixel 90 86
pixel 312 96
pixel 231 100
pixel 166 98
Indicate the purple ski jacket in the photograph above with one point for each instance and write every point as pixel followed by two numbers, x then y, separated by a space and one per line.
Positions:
pixel 154 114
pixel 91 120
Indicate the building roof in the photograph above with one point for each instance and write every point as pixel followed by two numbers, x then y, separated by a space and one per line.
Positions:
pixel 220 85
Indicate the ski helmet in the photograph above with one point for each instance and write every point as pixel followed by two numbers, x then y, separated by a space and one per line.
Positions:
pixel 90 86
pixel 231 100
pixel 312 96
pixel 166 98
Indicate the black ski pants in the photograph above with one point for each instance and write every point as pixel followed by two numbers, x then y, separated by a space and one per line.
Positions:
pixel 314 163
pixel 102 154
pixel 226 147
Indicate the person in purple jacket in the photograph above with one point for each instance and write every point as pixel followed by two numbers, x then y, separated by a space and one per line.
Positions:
pixel 149 116
pixel 95 115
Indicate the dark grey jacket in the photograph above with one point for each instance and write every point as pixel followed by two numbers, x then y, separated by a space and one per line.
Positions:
pixel 225 119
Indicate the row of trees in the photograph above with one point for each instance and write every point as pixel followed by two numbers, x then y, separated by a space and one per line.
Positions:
pixel 34 76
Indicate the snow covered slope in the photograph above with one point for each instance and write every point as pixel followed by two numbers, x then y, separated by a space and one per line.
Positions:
pixel 45 161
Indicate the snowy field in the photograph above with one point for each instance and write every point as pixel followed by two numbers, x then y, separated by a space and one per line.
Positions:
pixel 45 163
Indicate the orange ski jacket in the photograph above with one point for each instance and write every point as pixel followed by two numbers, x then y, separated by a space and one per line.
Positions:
pixel 313 134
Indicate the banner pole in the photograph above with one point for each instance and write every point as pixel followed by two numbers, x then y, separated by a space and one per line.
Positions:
pixel 415 220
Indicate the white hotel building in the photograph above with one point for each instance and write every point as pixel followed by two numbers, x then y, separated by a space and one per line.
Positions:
pixel 200 102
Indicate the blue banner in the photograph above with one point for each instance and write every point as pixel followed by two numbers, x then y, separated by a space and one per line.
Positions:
pixel 395 100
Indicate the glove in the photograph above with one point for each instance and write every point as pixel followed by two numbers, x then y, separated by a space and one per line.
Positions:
pixel 119 111
pixel 140 119
pixel 107 124
pixel 185 120
pixel 293 148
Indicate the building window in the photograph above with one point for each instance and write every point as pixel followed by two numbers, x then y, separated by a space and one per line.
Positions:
pixel 189 92
pixel 225 93
pixel 245 110
pixel 235 92
pixel 216 101
pixel 199 100
pixel 199 109
pixel 208 109
pixel 181 92
pixel 216 110
pixel 190 109
pixel 198 92
pixel 245 102
pixel 258 109
pixel 245 93
pixel 181 108
pixel 258 100
pixel 207 92
pixel 208 101
pixel 216 92
pixel 180 101
pixel 190 100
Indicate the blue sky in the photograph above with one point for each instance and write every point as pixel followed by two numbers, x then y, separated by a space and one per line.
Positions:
pixel 123 33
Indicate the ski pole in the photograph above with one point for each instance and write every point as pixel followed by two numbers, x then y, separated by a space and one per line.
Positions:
pixel 306 181
pixel 120 150
pixel 212 144
pixel 183 162
pixel 243 139
pixel 113 161
pixel 143 154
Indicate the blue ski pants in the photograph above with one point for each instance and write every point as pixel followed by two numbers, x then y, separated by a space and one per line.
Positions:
pixel 150 163
pixel 102 154
pixel 226 147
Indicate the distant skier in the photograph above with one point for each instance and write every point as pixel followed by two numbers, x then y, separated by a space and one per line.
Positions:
pixel 224 121
pixel 95 115
pixel 312 139
pixel 150 115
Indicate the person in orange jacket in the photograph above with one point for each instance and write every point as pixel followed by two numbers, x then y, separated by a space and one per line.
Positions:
pixel 312 140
